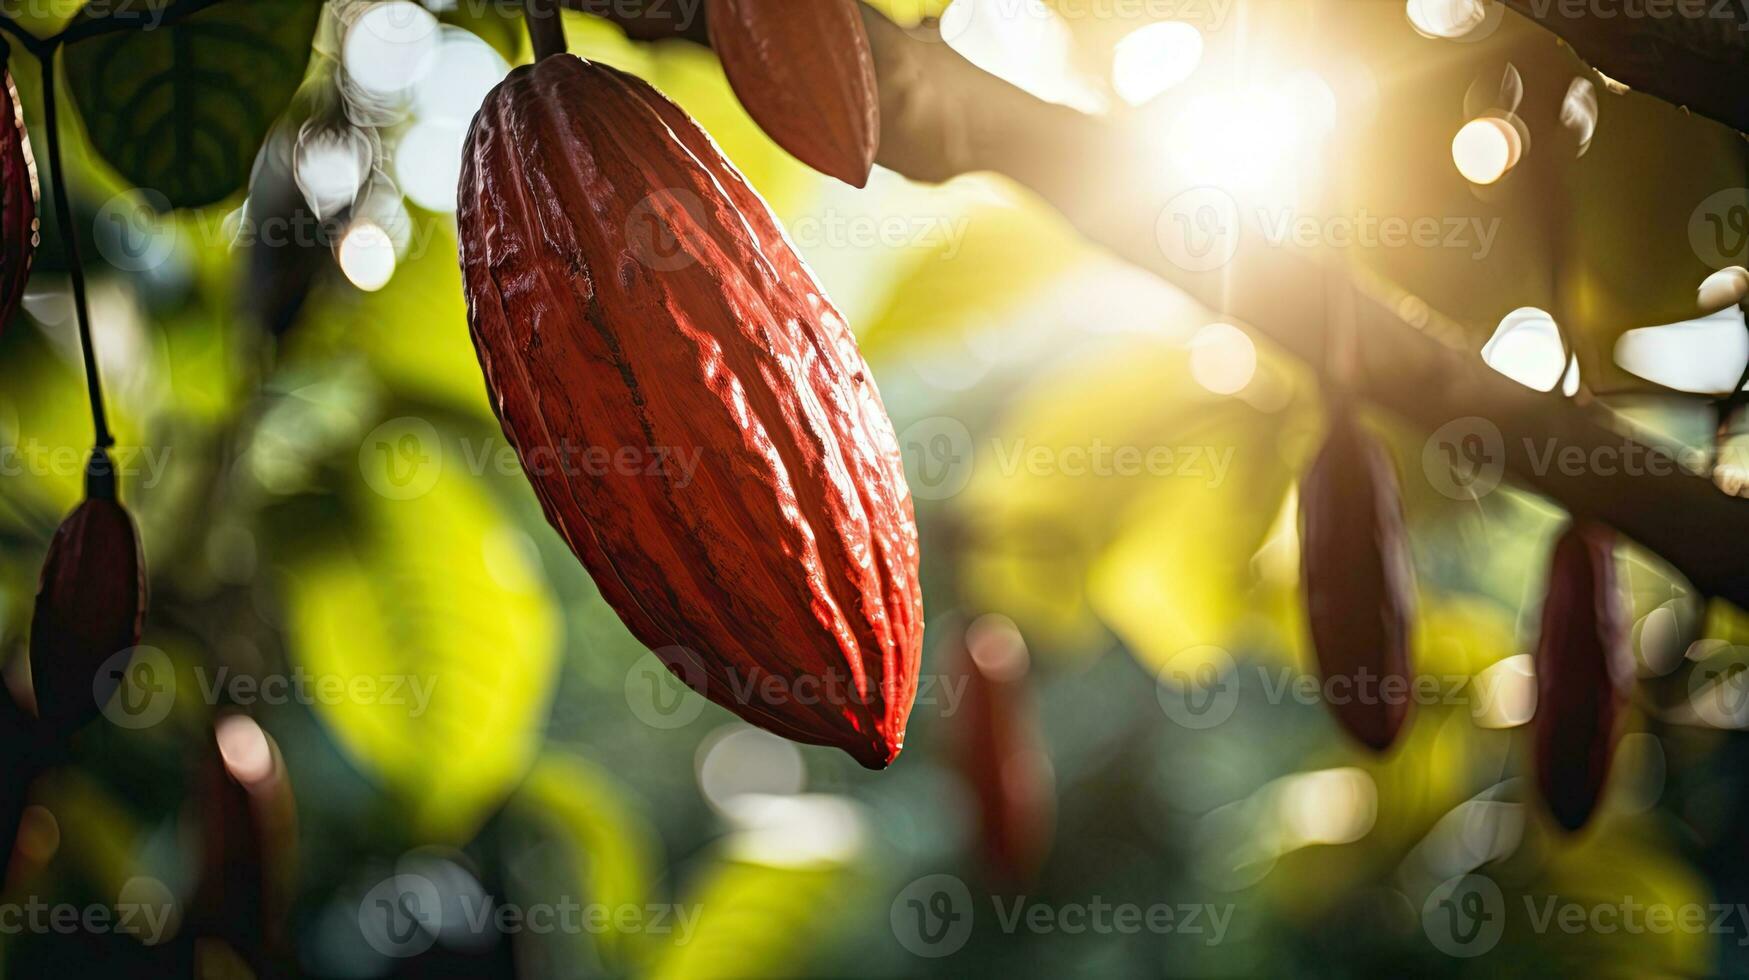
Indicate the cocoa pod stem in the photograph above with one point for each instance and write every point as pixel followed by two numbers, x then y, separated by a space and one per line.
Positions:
pixel 546 27
pixel 76 268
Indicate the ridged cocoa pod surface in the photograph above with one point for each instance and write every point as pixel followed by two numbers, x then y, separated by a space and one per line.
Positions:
pixel 90 606
pixel 1584 674
pixel 805 73
pixel 18 200
pixel 1001 753
pixel 694 415
pixel 1358 577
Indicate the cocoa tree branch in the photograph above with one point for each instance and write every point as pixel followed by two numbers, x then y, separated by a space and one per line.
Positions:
pixel 941 116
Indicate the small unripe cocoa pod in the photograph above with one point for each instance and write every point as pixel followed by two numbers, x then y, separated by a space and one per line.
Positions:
pixel 692 412
pixel 90 606
pixel 248 836
pixel 1001 752
pixel 804 71
pixel 1584 674
pixel 1359 580
pixel 18 200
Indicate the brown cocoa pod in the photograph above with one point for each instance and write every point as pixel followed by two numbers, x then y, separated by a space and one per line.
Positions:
pixel 18 200
pixel 1584 674
pixel 632 299
pixel 1358 576
pixel 248 837
pixel 805 73
pixel 90 606
pixel 1001 753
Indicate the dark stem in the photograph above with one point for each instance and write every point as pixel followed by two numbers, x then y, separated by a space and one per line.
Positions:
pixel 545 28
pixel 70 234
pixel 35 45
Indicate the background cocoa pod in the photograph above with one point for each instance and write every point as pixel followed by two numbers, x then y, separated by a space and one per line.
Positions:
pixel 247 829
pixel 1001 752
pixel 90 606
pixel 1358 577
pixel 1584 673
pixel 805 73
pixel 18 200
pixel 631 297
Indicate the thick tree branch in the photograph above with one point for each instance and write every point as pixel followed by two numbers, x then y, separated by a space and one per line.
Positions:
pixel 942 116
pixel 1695 55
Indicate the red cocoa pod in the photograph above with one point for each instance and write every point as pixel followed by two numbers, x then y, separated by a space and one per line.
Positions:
pixel 1359 580
pixel 1584 673
pixel 1001 753
pixel 90 605
pixel 248 834
pixel 805 73
pixel 693 413
pixel 18 199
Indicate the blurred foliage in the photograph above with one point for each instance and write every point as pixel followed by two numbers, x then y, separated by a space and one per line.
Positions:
pixel 531 770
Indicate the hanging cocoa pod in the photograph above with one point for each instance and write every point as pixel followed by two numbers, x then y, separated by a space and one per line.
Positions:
pixel 18 199
pixel 693 413
pixel 1584 673
pixel 805 73
pixel 248 834
pixel 1001 752
pixel 1358 577
pixel 90 606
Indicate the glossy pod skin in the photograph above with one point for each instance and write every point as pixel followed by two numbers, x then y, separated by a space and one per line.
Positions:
pixel 692 412
pixel 90 605
pixel 1358 577
pixel 18 201
pixel 804 71
pixel 1584 674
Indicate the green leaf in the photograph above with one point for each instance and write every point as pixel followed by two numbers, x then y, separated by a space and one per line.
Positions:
pixel 181 108
pixel 755 920
pixel 438 591
pixel 612 845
